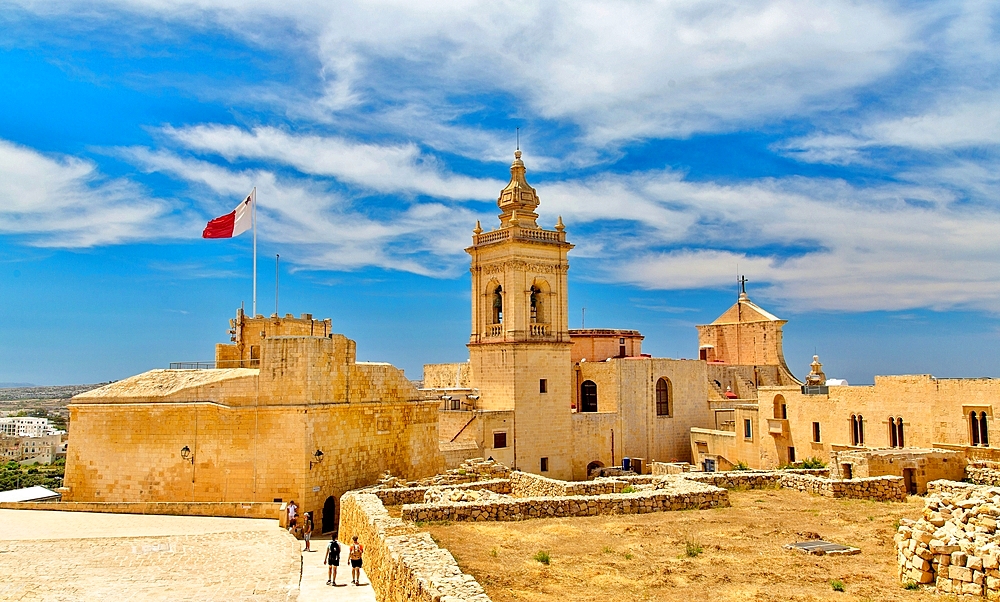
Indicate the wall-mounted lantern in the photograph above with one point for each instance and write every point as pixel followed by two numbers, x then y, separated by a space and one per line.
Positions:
pixel 317 458
pixel 187 454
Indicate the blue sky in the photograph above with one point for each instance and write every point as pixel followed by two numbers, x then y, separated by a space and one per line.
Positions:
pixel 842 155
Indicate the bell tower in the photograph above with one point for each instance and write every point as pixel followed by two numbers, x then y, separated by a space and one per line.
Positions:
pixel 519 348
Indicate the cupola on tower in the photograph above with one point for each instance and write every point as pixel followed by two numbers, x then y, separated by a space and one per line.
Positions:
pixel 520 346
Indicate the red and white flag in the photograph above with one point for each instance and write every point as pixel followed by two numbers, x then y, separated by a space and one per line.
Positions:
pixel 232 224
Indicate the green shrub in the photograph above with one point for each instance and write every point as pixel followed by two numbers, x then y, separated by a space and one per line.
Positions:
pixel 692 549
pixel 837 585
pixel 911 585
pixel 629 489
pixel 741 465
pixel 542 556
pixel 494 553
pixel 607 549
pixel 813 463
pixel 628 555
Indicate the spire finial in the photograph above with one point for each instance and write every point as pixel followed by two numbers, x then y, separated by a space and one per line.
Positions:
pixel 743 287
pixel 560 226
pixel 517 138
pixel 478 229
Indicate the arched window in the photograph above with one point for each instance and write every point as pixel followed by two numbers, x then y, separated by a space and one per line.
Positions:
pixel 974 427
pixel 854 430
pixel 899 431
pixel 588 396
pixel 780 409
pixel 893 440
pixel 663 398
pixel 984 433
pixel 536 304
pixel 861 430
pixel 497 305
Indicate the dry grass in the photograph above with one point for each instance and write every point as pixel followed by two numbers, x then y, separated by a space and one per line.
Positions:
pixel 719 555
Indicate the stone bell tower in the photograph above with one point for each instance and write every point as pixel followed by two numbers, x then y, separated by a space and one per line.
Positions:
pixel 520 346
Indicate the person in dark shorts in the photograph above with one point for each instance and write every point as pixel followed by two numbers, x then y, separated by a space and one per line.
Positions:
pixel 356 551
pixel 293 515
pixel 332 559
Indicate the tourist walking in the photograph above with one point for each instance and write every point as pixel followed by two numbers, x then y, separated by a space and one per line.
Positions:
pixel 307 529
pixel 293 515
pixel 332 559
pixel 356 551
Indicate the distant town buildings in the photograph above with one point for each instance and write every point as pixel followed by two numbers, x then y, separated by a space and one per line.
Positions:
pixel 28 440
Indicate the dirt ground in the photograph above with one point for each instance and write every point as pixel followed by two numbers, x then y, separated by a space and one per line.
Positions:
pixel 644 557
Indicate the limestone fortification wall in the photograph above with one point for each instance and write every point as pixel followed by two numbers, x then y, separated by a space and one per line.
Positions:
pixel 403 564
pixel 677 495
pixel 230 509
pixel 954 545
pixel 525 484
pixel 415 495
pixel 888 488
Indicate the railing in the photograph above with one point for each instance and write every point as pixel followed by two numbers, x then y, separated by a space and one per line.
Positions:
pixel 494 330
pixel 215 365
pixel 539 330
pixel 518 233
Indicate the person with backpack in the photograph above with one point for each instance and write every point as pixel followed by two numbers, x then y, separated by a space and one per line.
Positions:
pixel 332 559
pixel 356 551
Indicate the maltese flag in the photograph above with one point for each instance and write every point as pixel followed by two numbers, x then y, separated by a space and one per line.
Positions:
pixel 232 224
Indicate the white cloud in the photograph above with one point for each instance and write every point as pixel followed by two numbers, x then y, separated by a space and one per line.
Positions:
pixel 56 201
pixel 400 168
pixel 326 230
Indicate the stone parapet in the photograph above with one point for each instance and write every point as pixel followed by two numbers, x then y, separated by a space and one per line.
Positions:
pixel 525 484
pixel 954 546
pixel 674 495
pixel 415 495
pixel 403 564
pixel 269 510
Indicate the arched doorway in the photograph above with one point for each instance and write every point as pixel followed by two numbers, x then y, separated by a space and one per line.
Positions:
pixel 330 515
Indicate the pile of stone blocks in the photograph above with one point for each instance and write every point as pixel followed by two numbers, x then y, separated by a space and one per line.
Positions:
pixel 954 546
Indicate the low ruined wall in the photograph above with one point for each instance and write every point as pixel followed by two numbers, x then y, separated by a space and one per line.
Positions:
pixel 269 510
pixel 659 469
pixel 953 546
pixel 525 484
pixel 679 495
pixel 983 475
pixel 415 495
pixel 873 488
pixel 403 564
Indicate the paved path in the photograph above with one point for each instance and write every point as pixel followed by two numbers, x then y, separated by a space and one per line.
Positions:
pixel 79 556
pixel 314 578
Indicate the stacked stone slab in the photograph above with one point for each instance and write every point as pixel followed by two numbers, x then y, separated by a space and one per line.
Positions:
pixel 404 564
pixel 954 545
pixel 982 474
pixel 415 495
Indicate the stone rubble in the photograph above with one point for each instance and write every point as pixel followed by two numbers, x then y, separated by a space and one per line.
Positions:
pixel 437 495
pixel 954 546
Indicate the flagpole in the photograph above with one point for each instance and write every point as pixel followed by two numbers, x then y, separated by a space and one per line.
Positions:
pixel 254 193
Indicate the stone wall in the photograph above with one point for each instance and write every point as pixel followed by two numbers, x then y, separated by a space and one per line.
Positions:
pixel 873 488
pixel 954 545
pixel 677 495
pixel 403 564
pixel 983 475
pixel 669 468
pixel 230 509
pixel 415 495
pixel 525 484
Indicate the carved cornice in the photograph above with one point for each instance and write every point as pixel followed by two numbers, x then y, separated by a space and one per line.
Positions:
pixel 517 265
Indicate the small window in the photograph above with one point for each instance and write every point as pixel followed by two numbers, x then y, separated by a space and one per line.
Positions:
pixel 747 429
pixel 588 396
pixel 791 455
pixel 545 465
pixel 663 397
pixel 500 440
pixel 543 385
pixel 621 341
pixel 816 433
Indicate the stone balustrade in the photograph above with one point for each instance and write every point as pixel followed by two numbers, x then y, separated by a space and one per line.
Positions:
pixel 404 564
